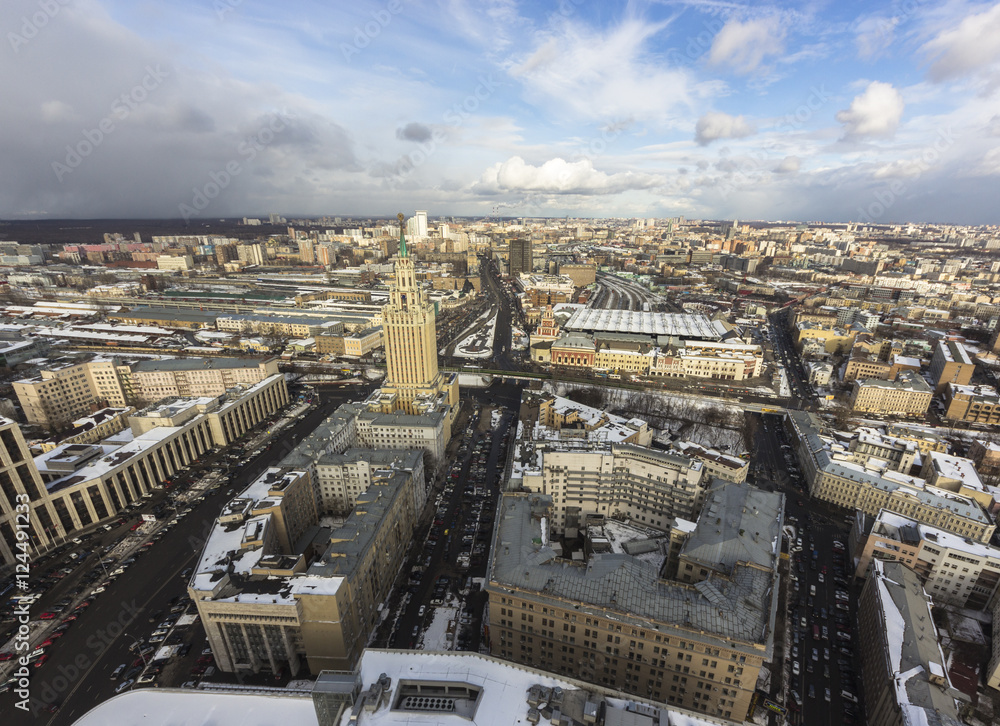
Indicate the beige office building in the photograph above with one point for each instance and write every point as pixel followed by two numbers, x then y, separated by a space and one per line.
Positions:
pixel 909 395
pixel 697 642
pixel 23 500
pixel 837 478
pixel 648 486
pixel 953 570
pixel 70 390
pixel 81 484
pixel 951 364
pixel 276 590
pixel 188 377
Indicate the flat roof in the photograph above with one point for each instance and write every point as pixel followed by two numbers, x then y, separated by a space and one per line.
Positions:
pixel 188 364
pixel 738 608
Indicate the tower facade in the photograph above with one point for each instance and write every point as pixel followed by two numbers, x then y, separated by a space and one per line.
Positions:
pixel 519 256
pixel 413 381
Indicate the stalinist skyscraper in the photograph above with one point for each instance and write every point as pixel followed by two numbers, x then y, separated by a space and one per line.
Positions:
pixel 413 384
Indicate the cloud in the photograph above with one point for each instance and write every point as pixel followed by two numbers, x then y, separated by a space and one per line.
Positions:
pixel 874 36
pixel 989 165
pixel 900 169
pixel 875 113
pixel 57 112
pixel 717 125
pixel 743 46
pixel 971 45
pixel 558 176
pixel 788 165
pixel 414 131
pixel 583 73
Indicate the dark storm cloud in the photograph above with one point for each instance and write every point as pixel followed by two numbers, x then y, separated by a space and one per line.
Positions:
pixel 97 123
pixel 414 131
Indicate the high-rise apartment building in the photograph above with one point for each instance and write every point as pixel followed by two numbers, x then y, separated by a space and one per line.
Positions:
pixel 519 256
pixel 64 392
pixel 68 390
pixel 250 254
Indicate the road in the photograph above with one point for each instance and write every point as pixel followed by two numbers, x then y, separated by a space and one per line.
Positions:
pixel 819 527
pixel 504 358
pixel 784 351
pixel 77 675
pixel 439 533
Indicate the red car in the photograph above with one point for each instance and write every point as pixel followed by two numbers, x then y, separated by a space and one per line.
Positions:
pixel 135 526
pixel 41 660
pixel 70 618
pixel 55 635
pixel 4 657
pixel 47 641
pixel 48 615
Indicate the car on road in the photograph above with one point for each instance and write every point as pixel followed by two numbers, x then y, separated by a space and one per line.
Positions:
pixel 119 670
pixel 123 685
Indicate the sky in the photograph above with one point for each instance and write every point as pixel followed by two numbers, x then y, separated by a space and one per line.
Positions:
pixel 884 112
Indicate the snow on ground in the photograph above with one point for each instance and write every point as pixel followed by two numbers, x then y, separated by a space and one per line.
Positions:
pixel 783 388
pixel 695 401
pixel 435 635
pixel 495 417
pixel 480 343
pixel 728 441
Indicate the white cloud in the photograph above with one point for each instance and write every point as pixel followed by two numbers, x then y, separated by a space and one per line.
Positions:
pixel 971 45
pixel 990 164
pixel 876 112
pixel 57 111
pixel 602 75
pixel 558 176
pixel 717 125
pixel 874 35
pixel 901 169
pixel 743 46
pixel 788 165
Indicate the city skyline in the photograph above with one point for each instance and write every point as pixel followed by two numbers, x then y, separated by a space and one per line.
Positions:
pixel 878 114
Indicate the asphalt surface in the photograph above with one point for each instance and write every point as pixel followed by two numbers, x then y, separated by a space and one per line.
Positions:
pixel 504 358
pixel 784 351
pixel 439 557
pixel 818 525
pixel 77 676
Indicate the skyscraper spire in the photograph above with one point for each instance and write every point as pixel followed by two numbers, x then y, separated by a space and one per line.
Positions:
pixel 402 237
